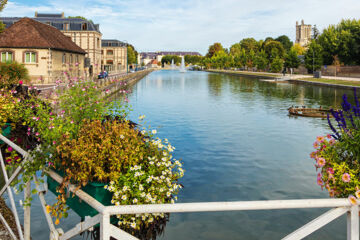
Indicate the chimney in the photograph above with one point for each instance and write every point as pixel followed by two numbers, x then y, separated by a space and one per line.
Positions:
pixel 36 14
pixel 62 15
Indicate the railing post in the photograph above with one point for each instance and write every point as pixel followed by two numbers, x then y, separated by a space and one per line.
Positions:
pixel 105 227
pixel 353 223
pixel 27 212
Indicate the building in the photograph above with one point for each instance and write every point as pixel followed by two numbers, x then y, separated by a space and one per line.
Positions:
pixel 114 55
pixel 46 52
pixel 147 57
pixel 84 33
pixel 303 34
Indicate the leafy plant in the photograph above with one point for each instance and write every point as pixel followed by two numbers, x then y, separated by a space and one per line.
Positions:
pixel 12 74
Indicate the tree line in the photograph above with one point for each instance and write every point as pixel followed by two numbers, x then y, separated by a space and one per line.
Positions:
pixel 337 45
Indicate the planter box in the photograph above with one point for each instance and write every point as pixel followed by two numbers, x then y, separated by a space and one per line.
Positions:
pixel 96 190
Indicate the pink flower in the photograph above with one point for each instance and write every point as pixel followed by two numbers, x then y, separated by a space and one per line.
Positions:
pixel 352 200
pixel 316 145
pixel 346 177
pixel 54 142
pixel 37 134
pixel 330 171
pixel 10 149
pixel 328 136
pixel 320 182
pixel 357 193
pixel 20 82
pixel 321 162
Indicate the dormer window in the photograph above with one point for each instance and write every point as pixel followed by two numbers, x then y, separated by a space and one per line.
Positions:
pixel 84 27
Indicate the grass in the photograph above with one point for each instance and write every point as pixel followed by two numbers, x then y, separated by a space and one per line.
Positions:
pixel 332 81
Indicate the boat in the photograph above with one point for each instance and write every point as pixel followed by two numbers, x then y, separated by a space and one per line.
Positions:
pixel 309 112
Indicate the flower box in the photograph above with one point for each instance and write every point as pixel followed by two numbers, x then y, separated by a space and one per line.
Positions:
pixel 94 189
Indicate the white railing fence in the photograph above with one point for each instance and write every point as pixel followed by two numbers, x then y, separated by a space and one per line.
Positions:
pixel 338 207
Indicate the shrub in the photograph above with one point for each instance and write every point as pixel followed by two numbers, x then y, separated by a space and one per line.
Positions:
pixel 12 73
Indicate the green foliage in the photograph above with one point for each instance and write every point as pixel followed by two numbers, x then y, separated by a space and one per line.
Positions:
pixel 235 50
pixel 276 65
pixel 12 73
pixel 261 61
pixel 313 57
pixel 2 27
pixel 329 41
pixel 3 4
pixel 274 49
pixel 285 41
pixel 195 60
pixel 291 59
pixel 213 49
pixel 249 44
pixel 131 55
pixel 316 33
pixel 167 59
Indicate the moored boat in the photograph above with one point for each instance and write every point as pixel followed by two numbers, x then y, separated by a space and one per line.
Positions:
pixel 309 112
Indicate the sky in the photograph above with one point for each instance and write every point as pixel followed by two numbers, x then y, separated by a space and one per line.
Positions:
pixel 192 25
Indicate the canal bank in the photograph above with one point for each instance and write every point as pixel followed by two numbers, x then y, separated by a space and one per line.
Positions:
pixel 338 82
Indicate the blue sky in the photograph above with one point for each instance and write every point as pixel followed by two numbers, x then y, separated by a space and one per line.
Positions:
pixel 192 25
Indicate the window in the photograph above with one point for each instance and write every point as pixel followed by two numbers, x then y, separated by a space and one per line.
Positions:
pixel 66 27
pixel 71 58
pixel 109 62
pixel 109 52
pixel 64 58
pixel 98 42
pixel 84 27
pixel 30 57
pixel 6 57
pixel 77 59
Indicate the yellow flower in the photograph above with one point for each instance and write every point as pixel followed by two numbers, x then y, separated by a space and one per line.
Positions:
pixel 48 209
pixel 57 221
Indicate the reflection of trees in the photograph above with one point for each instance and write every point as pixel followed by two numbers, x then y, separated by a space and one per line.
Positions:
pixel 215 82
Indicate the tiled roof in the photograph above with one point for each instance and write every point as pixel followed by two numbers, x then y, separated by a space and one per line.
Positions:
pixel 75 24
pixel 28 33
pixel 112 43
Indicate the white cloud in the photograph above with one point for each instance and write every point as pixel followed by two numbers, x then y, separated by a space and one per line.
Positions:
pixel 194 24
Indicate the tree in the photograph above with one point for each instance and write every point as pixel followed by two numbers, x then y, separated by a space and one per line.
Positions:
pixel 167 59
pixel 299 49
pixel 274 49
pixel 131 55
pixel 12 73
pixel 235 49
pixel 249 44
pixel 291 59
pixel 216 47
pixel 3 4
pixel 195 60
pixel 313 57
pixel 276 65
pixel 285 41
pixel 329 41
pixel 250 59
pixel 2 27
pixel 316 33
pixel 261 61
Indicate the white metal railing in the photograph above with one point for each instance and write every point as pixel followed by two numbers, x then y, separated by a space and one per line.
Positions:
pixel 338 207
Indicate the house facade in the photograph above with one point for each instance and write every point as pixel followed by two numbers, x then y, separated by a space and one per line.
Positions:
pixel 84 33
pixel 147 57
pixel 47 53
pixel 114 55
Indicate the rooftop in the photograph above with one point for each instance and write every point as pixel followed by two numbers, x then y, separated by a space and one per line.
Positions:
pixel 28 33
pixel 58 21
pixel 112 43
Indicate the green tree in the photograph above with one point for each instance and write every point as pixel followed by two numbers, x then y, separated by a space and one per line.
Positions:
pixel 3 4
pixel 329 41
pixel 276 65
pixel 167 59
pixel 300 50
pixel 313 57
pixel 235 49
pixel 131 54
pixel 195 60
pixel 2 27
pixel 291 59
pixel 316 33
pixel 285 41
pixel 249 44
pixel 12 73
pixel 250 58
pixel 274 49
pixel 261 61
pixel 216 47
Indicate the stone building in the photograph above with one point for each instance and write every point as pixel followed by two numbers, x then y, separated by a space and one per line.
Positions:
pixel 147 57
pixel 303 33
pixel 114 55
pixel 47 53
pixel 84 33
